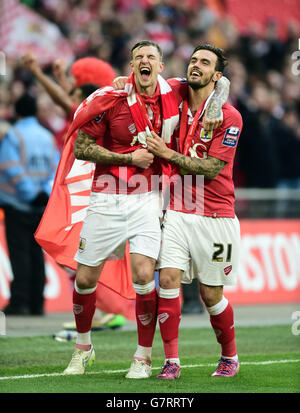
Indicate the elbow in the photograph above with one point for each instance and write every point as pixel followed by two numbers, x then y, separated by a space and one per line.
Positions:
pixel 213 168
pixel 78 153
pixel 214 174
pixel 211 175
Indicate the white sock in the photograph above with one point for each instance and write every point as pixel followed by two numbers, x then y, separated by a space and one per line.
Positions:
pixel 219 307
pixel 143 352
pixel 144 289
pixel 171 293
pixel 84 338
pixel 85 291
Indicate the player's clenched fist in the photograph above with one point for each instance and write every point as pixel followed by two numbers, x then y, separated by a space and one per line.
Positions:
pixel 142 158
pixel 29 60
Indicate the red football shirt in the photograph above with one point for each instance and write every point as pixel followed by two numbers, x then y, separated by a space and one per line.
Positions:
pixel 61 135
pixel 198 195
pixel 115 130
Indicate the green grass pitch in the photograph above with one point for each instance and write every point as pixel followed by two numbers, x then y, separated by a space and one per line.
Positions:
pixel 269 357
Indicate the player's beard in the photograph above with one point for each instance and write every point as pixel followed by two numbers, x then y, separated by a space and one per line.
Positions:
pixel 201 83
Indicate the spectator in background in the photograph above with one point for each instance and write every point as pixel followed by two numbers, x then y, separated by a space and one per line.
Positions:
pixel 158 28
pixel 28 162
pixel 288 148
pixel 4 128
pixel 70 93
pixel 92 70
pixel 257 154
pixel 286 134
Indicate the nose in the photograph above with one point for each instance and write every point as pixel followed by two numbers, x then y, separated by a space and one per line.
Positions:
pixel 145 59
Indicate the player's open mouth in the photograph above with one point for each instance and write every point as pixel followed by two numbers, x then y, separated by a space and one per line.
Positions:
pixel 145 73
pixel 195 73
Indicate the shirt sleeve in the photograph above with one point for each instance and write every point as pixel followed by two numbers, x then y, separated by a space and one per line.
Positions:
pixel 97 127
pixel 179 88
pixel 225 138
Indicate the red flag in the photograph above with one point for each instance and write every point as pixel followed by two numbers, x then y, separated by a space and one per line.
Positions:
pixel 22 29
pixel 59 230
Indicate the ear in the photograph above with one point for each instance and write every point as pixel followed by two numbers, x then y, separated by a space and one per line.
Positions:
pixel 131 64
pixel 161 67
pixel 217 76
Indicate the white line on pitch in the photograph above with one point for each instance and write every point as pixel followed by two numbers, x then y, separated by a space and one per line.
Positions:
pixel 244 363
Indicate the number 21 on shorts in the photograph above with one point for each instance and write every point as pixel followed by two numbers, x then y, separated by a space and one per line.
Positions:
pixel 222 252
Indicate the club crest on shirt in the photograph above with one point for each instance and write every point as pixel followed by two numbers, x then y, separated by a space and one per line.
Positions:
pixel 132 128
pixel 227 269
pixel 231 136
pixel 205 135
pixel 82 243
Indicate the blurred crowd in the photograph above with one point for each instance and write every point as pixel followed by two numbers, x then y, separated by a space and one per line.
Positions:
pixel 263 85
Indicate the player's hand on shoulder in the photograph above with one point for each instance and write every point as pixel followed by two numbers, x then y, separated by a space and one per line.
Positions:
pixel 209 123
pixel 119 82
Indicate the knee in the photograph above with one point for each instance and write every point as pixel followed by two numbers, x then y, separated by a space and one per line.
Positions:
pixel 169 278
pixel 83 283
pixel 86 277
pixel 211 295
pixel 143 274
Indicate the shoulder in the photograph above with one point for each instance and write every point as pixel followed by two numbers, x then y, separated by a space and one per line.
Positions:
pixel 179 87
pixel 119 107
pixel 43 130
pixel 231 114
pixel 12 137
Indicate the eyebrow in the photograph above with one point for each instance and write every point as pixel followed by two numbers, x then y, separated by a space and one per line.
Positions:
pixel 203 59
pixel 148 55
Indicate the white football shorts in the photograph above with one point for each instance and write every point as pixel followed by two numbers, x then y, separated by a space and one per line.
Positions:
pixel 203 247
pixel 114 219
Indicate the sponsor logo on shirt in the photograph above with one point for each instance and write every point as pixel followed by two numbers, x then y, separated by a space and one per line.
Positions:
pixel 99 118
pixel 231 136
pixel 205 135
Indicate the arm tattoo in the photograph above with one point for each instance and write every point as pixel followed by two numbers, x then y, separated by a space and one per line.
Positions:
pixel 87 149
pixel 209 167
pixel 219 98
